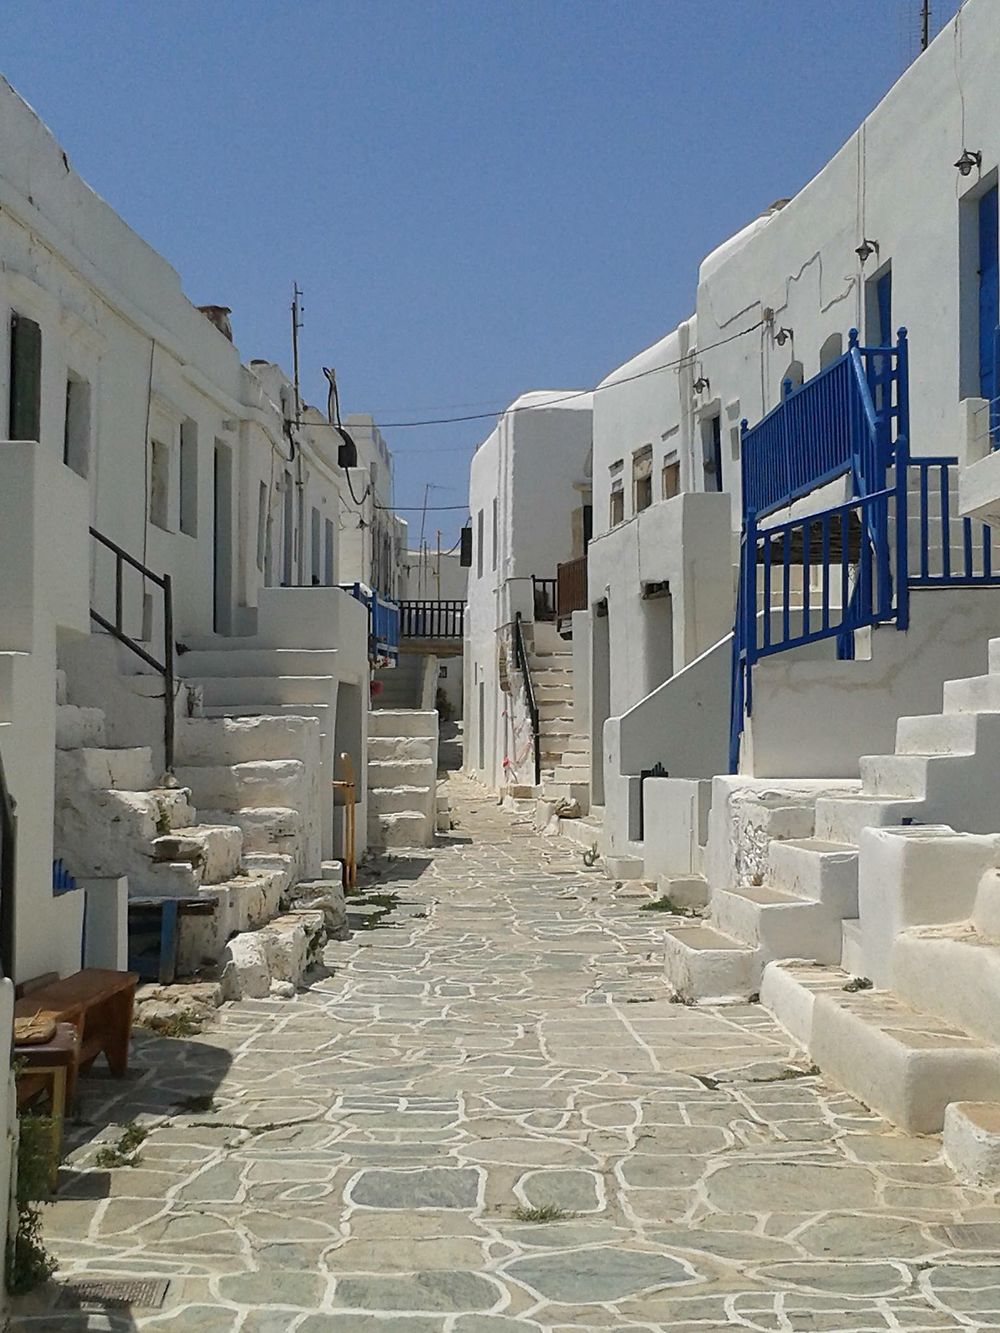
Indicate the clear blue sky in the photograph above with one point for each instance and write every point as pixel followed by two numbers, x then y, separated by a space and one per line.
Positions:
pixel 479 197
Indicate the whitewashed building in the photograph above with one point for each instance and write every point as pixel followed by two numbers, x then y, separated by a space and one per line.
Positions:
pixel 179 668
pixel 529 504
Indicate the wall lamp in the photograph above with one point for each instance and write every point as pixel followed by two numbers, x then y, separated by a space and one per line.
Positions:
pixel 701 384
pixel 866 249
pixel 968 161
pixel 782 336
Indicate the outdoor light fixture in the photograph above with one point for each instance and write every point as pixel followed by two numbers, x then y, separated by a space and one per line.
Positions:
pixel 967 161
pixel 701 384
pixel 782 336
pixel 866 249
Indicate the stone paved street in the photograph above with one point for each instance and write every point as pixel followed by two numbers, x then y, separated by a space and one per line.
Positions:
pixel 364 1155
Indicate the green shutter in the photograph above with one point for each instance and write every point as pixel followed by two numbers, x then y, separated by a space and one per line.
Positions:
pixel 25 378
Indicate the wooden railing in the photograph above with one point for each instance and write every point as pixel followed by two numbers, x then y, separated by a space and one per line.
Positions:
pixel 432 619
pixel 571 589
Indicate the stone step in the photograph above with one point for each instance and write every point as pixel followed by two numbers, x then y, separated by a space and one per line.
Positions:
pixel 903 1063
pixel 941 733
pixel 401 773
pixel 264 828
pixel 777 924
pixel 811 868
pixel 216 849
pixel 267 689
pixel 551 710
pixel 971 1143
pixel 576 759
pixel 211 741
pixel 263 663
pixel 571 776
pixel 703 964
pixel 406 828
pixel 898 775
pixel 400 747
pixel 553 693
pixel 263 712
pixel 551 676
pixel 100 768
pixel 684 890
pixel 584 833
pixel 578 745
pixel 852 948
pixel 251 785
pixel 79 727
pixel 102 832
pixel 842 819
pixel 625 867
pixel 974 694
pixel 402 722
pixel 397 800
pixel 952 972
pixel 560 789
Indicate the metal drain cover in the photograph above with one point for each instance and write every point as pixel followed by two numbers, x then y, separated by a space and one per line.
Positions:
pixel 112 1293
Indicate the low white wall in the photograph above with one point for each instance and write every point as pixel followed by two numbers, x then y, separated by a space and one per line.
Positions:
pixel 675 825
pixel 816 718
pixel 581 672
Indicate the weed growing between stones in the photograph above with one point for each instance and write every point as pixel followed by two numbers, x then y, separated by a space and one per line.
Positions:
pixel 548 1212
pixel 666 904
pixel 197 1103
pixel 181 1024
pixel 126 1151
pixel 28 1262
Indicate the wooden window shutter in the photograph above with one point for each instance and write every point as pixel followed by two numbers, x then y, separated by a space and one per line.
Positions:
pixel 25 378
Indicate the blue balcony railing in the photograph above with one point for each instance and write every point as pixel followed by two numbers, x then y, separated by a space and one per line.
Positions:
pixel 383 624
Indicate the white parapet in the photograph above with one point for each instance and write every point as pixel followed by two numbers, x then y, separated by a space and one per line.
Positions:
pixel 972 1142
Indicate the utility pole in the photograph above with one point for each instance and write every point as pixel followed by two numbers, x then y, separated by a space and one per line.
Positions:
pixel 925 24
pixel 297 308
pixel 439 564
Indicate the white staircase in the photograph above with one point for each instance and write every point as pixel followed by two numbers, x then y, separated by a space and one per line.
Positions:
pixel 402 777
pixel 886 891
pixel 564 753
pixel 216 830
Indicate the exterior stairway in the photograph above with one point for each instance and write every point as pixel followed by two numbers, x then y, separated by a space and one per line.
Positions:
pixel 215 831
pixel 402 777
pixel 886 890
pixel 565 754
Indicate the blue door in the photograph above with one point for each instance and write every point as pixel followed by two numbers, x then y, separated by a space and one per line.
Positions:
pixel 989 306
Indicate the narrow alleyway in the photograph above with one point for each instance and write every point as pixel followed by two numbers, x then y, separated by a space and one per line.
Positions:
pixel 488 1118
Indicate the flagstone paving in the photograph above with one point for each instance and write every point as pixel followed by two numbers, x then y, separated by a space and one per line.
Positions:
pixel 364 1156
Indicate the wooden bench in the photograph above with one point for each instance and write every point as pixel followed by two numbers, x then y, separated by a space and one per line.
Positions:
pixel 98 1002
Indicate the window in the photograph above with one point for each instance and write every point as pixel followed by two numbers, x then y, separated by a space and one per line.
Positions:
pixel 617 503
pixel 288 532
pixel 315 544
pixel 262 525
pixel 76 433
pixel 496 533
pixel 479 545
pixel 642 478
pixel 671 478
pixel 189 481
pixel 159 483
pixel 792 378
pixel 25 416
pixel 328 553
pixel 711 443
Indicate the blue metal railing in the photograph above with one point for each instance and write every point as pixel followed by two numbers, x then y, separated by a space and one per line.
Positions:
pixel 948 549
pixel 851 419
pixel 845 419
pixel 383 624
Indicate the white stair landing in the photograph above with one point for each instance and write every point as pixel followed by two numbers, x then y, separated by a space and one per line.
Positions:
pixel 703 963
pixel 904 1064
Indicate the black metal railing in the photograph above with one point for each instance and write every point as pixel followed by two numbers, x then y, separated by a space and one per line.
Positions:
pixel 8 870
pixel 432 619
pixel 116 627
pixel 521 662
pixel 544 598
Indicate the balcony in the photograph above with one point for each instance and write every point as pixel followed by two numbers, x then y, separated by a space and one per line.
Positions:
pixel 383 624
pixel 432 618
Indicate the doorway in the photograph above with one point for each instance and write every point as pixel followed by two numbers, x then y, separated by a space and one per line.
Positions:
pixel 222 606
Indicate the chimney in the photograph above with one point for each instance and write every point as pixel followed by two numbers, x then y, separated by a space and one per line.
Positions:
pixel 219 316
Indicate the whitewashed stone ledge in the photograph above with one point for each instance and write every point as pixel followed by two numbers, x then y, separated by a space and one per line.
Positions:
pixel 972 1142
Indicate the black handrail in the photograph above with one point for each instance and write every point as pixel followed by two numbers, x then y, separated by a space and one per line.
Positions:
pixel 8 870
pixel 432 619
pixel 521 662
pixel 117 629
